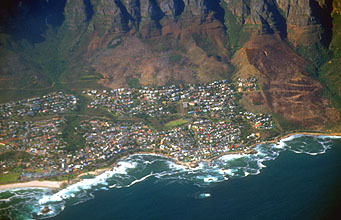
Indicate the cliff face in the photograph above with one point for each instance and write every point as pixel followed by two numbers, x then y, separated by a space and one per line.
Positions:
pixel 160 42
pixel 303 22
pixel 308 21
pixel 157 42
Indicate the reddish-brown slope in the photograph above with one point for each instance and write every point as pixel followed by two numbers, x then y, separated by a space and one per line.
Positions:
pixel 287 89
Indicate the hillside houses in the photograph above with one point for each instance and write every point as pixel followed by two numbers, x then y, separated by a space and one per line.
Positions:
pixel 42 139
pixel 248 84
pixel 51 104
pixel 214 125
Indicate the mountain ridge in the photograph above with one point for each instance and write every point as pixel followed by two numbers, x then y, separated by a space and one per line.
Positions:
pixel 87 43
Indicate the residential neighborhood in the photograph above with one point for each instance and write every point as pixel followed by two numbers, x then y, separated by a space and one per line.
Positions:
pixel 51 104
pixel 205 121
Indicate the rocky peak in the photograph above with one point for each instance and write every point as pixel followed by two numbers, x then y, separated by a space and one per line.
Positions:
pixel 263 13
pixel 172 8
pixel 308 21
pixel 266 14
pixel 75 14
pixel 197 7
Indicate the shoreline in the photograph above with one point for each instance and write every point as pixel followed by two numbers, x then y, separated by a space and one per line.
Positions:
pixel 57 185
pixel 277 139
pixel 33 184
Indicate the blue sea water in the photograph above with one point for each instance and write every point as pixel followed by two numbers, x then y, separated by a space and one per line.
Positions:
pixel 298 178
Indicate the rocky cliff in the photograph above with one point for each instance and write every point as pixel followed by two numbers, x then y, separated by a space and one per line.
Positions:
pixel 157 42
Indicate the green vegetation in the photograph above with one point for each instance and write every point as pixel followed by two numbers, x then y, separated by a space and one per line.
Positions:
pixel 246 128
pixel 329 72
pixel 176 123
pixel 237 33
pixel 87 176
pixel 175 58
pixel 47 55
pixel 324 63
pixel 64 177
pixel 91 77
pixel 15 156
pixel 9 177
pixel 316 55
pixel 74 140
pixel 133 83
pixel 285 124
pixel 205 44
pixel 171 108
pixel 51 65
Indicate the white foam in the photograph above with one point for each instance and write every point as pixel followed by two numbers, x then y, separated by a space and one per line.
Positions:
pixel 6 200
pixel 216 173
pixel 296 151
pixel 112 186
pixel 175 166
pixel 166 173
pixel 326 136
pixel 280 145
pixel 210 179
pixel 260 164
pixel 314 154
pixel 256 173
pixel 206 195
pixel 229 157
pixel 292 137
pixel 229 172
pixel 140 180
pixel 87 184
pixel 123 166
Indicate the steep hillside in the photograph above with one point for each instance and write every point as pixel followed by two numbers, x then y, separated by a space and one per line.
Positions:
pixel 329 72
pixel 287 90
pixel 289 46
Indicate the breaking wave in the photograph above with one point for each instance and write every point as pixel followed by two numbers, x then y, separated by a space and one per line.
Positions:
pixel 28 203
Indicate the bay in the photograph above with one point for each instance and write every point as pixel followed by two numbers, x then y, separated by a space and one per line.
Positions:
pixel 298 178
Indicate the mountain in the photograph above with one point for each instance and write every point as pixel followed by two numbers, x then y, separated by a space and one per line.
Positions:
pixel 290 46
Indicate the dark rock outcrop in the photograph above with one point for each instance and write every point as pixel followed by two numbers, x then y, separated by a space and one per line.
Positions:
pixel 308 21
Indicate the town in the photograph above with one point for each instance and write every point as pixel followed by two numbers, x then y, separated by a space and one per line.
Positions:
pixel 205 122
pixel 51 104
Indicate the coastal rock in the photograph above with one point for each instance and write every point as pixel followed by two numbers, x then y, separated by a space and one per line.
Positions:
pixel 45 210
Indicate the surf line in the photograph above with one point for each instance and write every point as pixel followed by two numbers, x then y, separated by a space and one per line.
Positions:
pixel 59 185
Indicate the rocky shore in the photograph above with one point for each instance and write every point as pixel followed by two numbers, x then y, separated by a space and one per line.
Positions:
pixel 61 184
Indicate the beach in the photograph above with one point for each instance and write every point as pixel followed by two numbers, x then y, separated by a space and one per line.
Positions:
pixel 33 184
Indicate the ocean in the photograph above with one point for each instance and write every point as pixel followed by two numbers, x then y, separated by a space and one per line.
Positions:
pixel 297 178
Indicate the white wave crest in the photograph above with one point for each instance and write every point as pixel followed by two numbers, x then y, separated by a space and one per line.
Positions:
pixel 87 184
pixel 229 157
pixel 140 180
